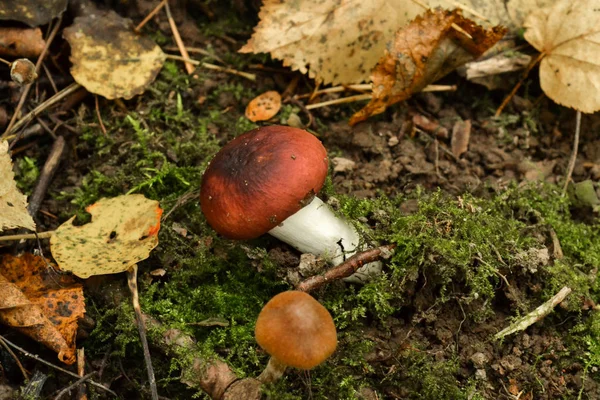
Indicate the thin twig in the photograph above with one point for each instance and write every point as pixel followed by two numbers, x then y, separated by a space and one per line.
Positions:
pixel 73 385
pixel 188 66
pixel 199 51
pixel 14 356
pixel 49 75
pixel 102 127
pixel 347 268
pixel 139 319
pixel 512 93
pixel 50 167
pixel 28 354
pixel 367 96
pixel 13 121
pixel 149 16
pixel 45 105
pixel 536 315
pixel 26 236
pixel 81 392
pixel 247 75
pixel 573 153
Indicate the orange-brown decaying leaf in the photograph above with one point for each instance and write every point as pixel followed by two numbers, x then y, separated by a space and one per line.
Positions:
pixel 264 107
pixel 423 52
pixel 41 303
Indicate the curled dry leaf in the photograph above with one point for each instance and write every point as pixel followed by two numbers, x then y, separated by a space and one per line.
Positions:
pixel 21 42
pixel 264 107
pixel 109 59
pixel 423 52
pixel 13 204
pixel 32 12
pixel 22 71
pixel 568 36
pixel 123 231
pixel 41 303
pixel 339 40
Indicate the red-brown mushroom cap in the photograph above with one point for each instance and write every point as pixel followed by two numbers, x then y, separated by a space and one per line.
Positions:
pixel 296 329
pixel 260 178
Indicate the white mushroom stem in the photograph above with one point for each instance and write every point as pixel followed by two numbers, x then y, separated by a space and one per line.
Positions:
pixel 273 371
pixel 316 229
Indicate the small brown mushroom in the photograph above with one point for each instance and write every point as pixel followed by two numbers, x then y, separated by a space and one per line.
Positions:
pixel 296 331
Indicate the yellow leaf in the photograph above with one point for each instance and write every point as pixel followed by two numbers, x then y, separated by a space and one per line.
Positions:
pixel 109 59
pixel 568 36
pixel 123 231
pixel 264 106
pixel 340 41
pixel 13 204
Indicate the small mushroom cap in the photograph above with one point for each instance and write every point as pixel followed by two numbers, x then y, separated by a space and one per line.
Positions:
pixel 296 329
pixel 260 178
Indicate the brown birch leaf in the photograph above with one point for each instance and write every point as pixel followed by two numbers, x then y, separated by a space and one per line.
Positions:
pixel 423 52
pixel 41 303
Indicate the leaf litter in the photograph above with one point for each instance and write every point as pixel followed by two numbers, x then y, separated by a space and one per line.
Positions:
pixel 41 303
pixel 423 52
pixel 13 204
pixel 122 232
pixel 109 59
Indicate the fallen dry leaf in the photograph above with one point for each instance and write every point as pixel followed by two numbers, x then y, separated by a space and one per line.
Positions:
pixel 335 41
pixel 21 42
pixel 568 35
pixel 423 52
pixel 123 231
pixel 41 303
pixel 109 59
pixel 461 134
pixel 264 107
pixel 13 204
pixel 32 12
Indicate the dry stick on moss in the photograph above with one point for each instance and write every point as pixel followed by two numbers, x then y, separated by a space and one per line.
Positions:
pixel 73 385
pixel 150 15
pixel 347 268
pixel 188 66
pixel 512 93
pixel 536 315
pixel 12 125
pixel 28 354
pixel 14 356
pixel 139 319
pixel 247 75
pixel 573 153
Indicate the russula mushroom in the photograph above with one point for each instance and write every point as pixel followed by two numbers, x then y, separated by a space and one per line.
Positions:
pixel 296 331
pixel 266 180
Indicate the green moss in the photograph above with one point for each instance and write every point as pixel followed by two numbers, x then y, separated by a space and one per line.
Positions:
pixel 27 175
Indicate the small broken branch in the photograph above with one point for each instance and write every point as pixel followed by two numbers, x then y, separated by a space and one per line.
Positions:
pixel 573 153
pixel 50 167
pixel 139 319
pixel 536 315
pixel 346 268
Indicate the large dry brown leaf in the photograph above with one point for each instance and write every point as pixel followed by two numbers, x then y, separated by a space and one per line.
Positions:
pixel 41 303
pixel 32 12
pixel 123 231
pixel 423 52
pixel 13 204
pixel 335 41
pixel 568 35
pixel 109 59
